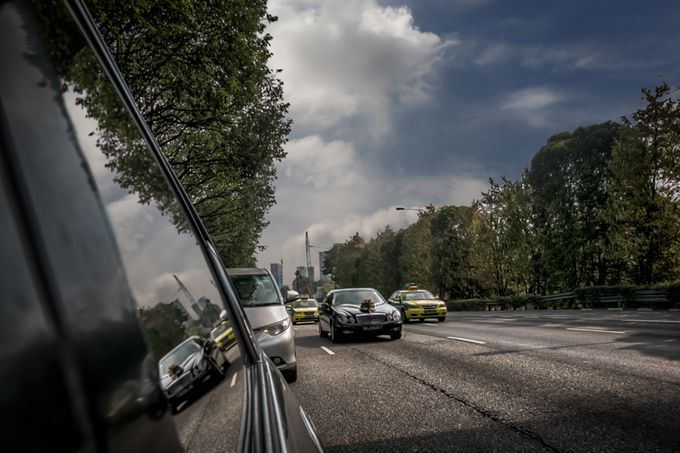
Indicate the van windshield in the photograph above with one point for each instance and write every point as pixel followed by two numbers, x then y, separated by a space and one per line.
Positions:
pixel 255 290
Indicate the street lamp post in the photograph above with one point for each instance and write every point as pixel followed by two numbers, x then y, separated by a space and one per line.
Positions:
pixel 401 208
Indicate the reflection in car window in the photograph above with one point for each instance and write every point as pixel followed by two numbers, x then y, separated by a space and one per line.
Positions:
pixel 255 290
pixel 166 270
pixel 178 356
pixel 356 297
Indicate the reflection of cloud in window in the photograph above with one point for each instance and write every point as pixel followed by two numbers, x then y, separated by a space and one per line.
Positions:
pixel 148 241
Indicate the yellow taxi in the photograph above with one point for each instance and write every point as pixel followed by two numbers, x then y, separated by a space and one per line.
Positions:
pixel 223 335
pixel 304 310
pixel 416 303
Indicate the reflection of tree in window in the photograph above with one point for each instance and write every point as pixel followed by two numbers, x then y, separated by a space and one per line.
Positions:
pixel 219 116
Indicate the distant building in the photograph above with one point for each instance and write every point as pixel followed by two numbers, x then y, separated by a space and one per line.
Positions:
pixel 307 272
pixel 207 312
pixel 183 313
pixel 322 275
pixel 302 270
pixel 277 272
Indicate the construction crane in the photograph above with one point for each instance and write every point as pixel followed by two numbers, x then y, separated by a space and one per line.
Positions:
pixel 192 301
pixel 308 258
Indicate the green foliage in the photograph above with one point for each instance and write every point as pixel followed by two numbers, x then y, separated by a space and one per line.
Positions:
pixel 507 238
pixel 162 326
pixel 199 73
pixel 415 253
pixel 644 179
pixel 597 209
pixel 466 305
pixel 341 261
pixel 568 183
pixel 373 268
pixel 458 271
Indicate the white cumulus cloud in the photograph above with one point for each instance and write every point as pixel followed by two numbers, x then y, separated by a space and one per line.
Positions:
pixel 351 59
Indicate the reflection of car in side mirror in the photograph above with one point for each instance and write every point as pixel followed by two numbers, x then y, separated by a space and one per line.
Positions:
pixel 292 296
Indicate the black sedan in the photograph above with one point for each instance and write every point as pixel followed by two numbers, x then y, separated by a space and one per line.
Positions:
pixel 188 368
pixel 357 311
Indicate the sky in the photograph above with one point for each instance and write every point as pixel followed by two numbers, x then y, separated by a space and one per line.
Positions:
pixel 408 103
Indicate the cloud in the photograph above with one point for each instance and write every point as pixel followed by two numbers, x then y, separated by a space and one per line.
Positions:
pixel 351 60
pixel 531 104
pixel 325 188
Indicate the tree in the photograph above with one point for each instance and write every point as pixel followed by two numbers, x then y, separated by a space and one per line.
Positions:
pixel 198 72
pixel 415 253
pixel 567 179
pixel 457 269
pixel 507 239
pixel 373 267
pixel 341 261
pixel 644 178
pixel 163 327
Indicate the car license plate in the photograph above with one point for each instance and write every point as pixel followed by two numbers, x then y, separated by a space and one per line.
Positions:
pixel 430 312
pixel 372 328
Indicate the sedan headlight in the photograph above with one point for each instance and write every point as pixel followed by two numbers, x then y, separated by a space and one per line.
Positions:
pixel 345 319
pixel 394 316
pixel 276 328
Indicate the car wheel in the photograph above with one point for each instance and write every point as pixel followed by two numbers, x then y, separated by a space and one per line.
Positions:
pixel 217 371
pixel 173 408
pixel 335 335
pixel 395 336
pixel 290 375
pixel 322 333
pixel 403 316
pixel 442 318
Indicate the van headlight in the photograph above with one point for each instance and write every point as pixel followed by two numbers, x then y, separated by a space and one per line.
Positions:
pixel 276 328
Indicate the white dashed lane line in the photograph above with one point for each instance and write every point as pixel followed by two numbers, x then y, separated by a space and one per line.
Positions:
pixel 327 350
pixel 233 379
pixel 661 321
pixel 578 329
pixel 467 340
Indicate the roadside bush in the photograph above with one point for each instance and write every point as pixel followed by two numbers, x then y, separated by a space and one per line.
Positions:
pixel 466 305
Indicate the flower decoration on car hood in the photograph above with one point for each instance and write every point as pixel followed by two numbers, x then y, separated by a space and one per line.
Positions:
pixel 175 371
pixel 367 305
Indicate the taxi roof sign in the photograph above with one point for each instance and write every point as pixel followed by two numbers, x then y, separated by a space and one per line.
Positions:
pixel 412 287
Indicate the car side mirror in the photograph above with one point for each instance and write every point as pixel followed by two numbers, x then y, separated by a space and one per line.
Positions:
pixel 292 296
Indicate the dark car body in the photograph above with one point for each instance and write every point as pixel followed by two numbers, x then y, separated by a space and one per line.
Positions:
pixel 86 262
pixel 340 316
pixel 200 363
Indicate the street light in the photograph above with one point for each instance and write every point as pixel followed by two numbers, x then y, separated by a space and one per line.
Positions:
pixel 401 208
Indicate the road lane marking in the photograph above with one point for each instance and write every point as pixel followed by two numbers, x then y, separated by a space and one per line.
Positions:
pixel 327 350
pixel 430 324
pixel 466 340
pixel 594 330
pixel 665 321
pixel 233 379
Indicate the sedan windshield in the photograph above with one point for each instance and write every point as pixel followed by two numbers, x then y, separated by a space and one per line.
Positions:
pixel 178 356
pixel 255 290
pixel 356 297
pixel 418 295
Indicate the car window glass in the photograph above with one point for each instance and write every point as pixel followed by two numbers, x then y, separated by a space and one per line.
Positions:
pixel 167 273
pixel 255 290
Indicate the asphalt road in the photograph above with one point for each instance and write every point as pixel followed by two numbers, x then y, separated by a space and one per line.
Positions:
pixel 502 381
